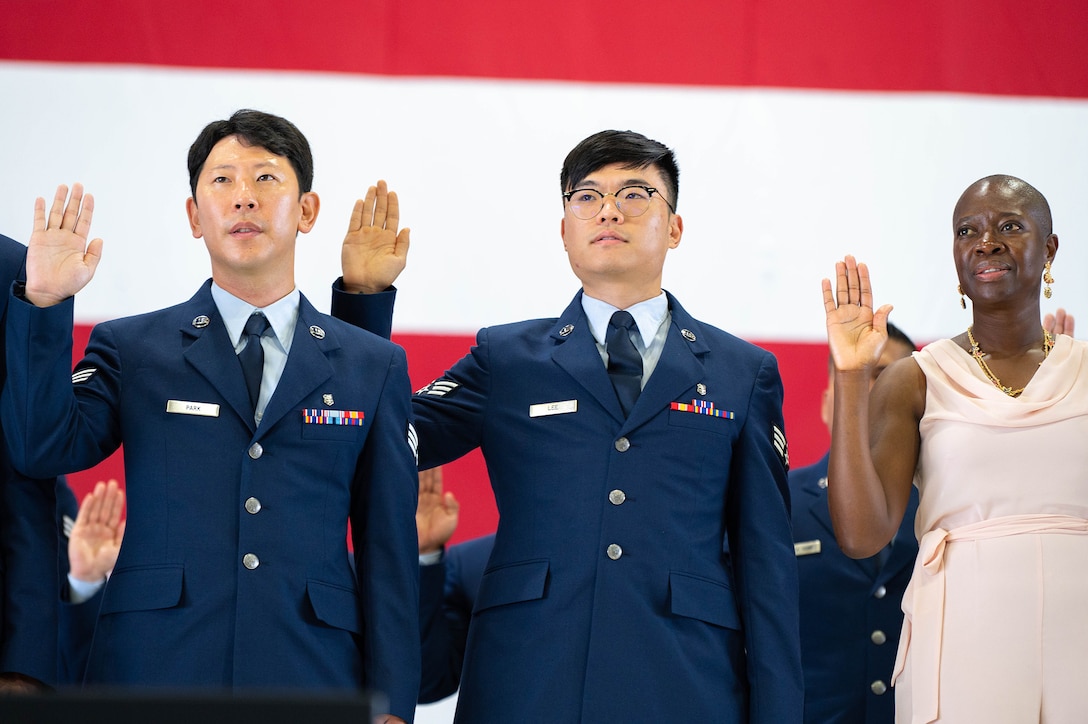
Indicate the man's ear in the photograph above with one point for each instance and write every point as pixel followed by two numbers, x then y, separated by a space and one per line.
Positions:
pixel 676 230
pixel 194 217
pixel 310 205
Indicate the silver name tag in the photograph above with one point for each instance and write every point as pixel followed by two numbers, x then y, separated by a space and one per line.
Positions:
pixel 203 409
pixel 544 409
pixel 806 548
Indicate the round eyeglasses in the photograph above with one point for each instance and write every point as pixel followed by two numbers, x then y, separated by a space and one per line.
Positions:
pixel 630 201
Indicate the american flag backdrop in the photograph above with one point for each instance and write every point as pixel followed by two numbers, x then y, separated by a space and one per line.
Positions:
pixel 804 131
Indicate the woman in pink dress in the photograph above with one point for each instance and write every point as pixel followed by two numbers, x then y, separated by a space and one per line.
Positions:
pixel 992 426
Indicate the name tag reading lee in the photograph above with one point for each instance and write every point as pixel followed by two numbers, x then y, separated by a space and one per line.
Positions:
pixel 806 548
pixel 203 409
pixel 543 409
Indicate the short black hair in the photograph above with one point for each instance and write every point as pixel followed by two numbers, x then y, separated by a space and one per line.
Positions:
pixel 255 128
pixel 627 148
pixel 895 334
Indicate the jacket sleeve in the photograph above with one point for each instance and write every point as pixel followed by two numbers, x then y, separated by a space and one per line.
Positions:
pixel 760 545
pixel 372 312
pixel 386 547
pixel 56 421
pixel 29 565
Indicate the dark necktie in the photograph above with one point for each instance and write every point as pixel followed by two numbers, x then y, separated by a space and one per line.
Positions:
pixel 252 355
pixel 624 361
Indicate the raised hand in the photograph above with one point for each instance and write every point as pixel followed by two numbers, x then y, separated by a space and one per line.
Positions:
pixel 855 333
pixel 96 536
pixel 59 261
pixel 1061 322
pixel 436 513
pixel 374 253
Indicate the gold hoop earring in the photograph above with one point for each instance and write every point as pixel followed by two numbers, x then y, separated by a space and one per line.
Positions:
pixel 963 304
pixel 1048 280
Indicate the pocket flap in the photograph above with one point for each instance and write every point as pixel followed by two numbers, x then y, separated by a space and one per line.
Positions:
pixel 143 589
pixel 335 605
pixel 703 599
pixel 512 583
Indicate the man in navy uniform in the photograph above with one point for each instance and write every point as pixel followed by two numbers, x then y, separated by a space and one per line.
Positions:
pixel 642 567
pixel 254 428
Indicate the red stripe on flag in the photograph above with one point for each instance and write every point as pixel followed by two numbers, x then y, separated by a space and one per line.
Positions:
pixel 997 47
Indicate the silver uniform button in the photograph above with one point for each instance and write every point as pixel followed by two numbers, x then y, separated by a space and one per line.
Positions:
pixel 255 450
pixel 878 637
pixel 250 561
pixel 623 444
pixel 253 506
pixel 616 497
pixel 880 592
pixel 614 552
pixel 878 687
pixel 822 483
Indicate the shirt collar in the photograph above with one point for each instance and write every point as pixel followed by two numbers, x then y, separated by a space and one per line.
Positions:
pixel 282 314
pixel 648 316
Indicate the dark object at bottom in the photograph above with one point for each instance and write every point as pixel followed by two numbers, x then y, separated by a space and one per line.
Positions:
pixel 188 707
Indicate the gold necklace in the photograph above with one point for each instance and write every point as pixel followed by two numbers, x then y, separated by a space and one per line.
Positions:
pixel 977 353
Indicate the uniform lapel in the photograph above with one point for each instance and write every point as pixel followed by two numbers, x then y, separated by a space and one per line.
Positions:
pixel 576 352
pixel 206 346
pixel 307 364
pixel 680 367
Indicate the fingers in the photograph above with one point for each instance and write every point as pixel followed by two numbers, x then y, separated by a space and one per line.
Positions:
pixel 430 481
pixel 84 213
pixel 865 289
pixel 450 503
pixel 1061 322
pixel 852 285
pixel 56 211
pixel 381 205
pixel 113 503
pixel 72 208
pixel 39 214
pixel 379 208
pixel 392 210
pixel 829 296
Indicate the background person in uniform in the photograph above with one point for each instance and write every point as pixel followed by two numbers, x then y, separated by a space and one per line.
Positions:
pixel 642 567
pixel 28 546
pixel 233 572
pixel 975 422
pixel 92 533
pixel 449 579
pixel 850 609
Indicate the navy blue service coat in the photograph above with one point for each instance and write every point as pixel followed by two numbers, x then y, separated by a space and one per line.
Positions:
pixel 234 569
pixel 28 538
pixel 643 567
pixel 851 611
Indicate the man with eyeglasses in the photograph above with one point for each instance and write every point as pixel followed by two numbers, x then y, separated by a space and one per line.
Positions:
pixel 643 566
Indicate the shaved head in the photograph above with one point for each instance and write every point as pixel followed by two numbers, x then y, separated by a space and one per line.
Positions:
pixel 1013 188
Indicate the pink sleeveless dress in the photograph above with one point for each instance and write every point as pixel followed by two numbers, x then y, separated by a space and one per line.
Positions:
pixel 996 626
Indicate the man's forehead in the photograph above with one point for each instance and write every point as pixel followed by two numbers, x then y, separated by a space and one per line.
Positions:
pixel 622 174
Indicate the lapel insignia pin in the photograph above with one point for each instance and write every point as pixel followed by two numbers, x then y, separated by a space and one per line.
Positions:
pixel 317 332
pixel 327 399
pixel 565 331
pixel 688 334
pixel 201 322
pixel 700 388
